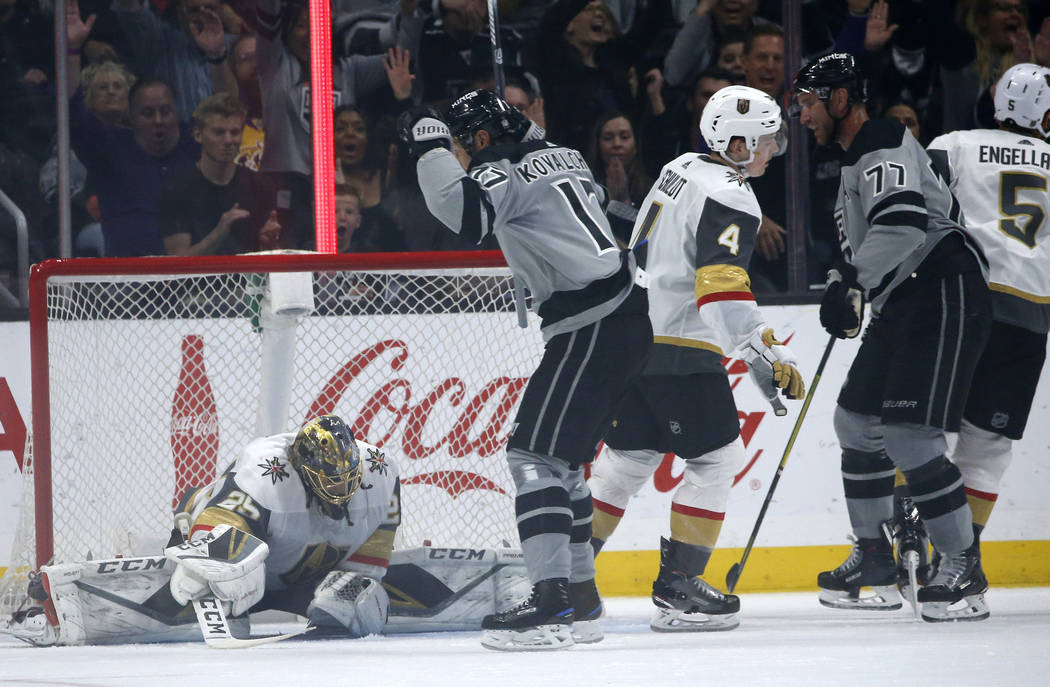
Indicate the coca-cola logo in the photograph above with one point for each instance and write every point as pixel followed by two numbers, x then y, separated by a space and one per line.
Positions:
pixel 195 425
pixel 482 421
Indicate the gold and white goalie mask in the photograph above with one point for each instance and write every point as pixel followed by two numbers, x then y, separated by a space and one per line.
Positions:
pixel 328 461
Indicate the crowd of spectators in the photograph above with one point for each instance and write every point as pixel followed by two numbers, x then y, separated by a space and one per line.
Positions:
pixel 190 119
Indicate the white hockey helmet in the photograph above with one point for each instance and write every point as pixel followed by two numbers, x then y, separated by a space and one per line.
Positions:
pixel 1022 96
pixel 745 112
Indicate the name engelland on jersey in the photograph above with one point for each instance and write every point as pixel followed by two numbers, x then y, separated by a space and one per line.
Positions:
pixel 1003 155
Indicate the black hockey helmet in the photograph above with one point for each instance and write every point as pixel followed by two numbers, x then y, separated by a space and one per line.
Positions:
pixel 828 72
pixel 482 109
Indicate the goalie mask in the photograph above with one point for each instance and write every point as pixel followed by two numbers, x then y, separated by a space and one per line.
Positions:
pixel 1022 97
pixel 328 461
pixel 480 109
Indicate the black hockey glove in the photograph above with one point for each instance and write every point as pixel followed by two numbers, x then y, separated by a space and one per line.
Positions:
pixel 521 128
pixel 421 129
pixel 842 308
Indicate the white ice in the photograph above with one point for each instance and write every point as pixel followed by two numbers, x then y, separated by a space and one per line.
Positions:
pixel 783 640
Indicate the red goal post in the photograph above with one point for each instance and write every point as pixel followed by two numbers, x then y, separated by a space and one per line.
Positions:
pixel 149 374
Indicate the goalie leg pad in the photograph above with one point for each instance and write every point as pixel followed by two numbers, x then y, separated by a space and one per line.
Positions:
pixel 439 589
pixel 115 601
pixel 355 603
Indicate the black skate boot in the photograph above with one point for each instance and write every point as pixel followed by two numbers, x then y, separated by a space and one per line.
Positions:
pixel 956 591
pixel 684 601
pixel 913 549
pixel 587 605
pixel 541 622
pixel 870 564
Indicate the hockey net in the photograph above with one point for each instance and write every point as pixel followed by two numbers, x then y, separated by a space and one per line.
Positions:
pixel 150 374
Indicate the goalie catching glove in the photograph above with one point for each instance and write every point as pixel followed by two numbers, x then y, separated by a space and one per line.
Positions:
pixel 421 129
pixel 842 307
pixel 225 563
pixel 764 352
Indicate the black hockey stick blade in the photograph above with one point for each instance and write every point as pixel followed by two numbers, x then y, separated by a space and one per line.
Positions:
pixel 732 576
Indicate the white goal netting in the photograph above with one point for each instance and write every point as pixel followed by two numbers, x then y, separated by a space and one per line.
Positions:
pixel 155 380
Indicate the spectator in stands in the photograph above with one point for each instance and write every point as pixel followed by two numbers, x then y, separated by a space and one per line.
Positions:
pixel 677 131
pixel 126 166
pixel 283 58
pixel 709 26
pixel 192 58
pixel 232 209
pixel 456 44
pixel 362 164
pixel 27 106
pixel 763 62
pixel 615 159
pixel 729 54
pixel 906 115
pixel 347 217
pixel 523 94
pixel 245 70
pixel 106 87
pixel 584 64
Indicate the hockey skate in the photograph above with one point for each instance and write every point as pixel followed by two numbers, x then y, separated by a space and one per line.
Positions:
pixel 588 608
pixel 956 591
pixel 870 565
pixel 540 623
pixel 687 603
pixel 32 626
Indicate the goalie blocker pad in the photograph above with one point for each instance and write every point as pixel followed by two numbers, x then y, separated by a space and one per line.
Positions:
pixel 444 589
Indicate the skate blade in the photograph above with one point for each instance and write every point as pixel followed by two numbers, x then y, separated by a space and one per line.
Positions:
pixel 911 590
pixel 667 620
pixel 885 598
pixel 539 638
pixel 967 609
pixel 587 632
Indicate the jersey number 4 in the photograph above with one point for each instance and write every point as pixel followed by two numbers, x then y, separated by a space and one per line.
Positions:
pixel 1009 184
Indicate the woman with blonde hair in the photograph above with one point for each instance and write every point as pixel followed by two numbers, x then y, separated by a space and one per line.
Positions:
pixel 106 87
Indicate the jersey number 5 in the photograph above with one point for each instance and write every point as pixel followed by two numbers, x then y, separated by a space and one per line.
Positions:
pixel 1009 184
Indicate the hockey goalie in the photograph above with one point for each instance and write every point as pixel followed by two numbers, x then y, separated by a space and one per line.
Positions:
pixel 302 522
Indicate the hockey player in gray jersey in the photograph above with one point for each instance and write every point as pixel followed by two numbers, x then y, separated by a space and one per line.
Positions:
pixel 545 209
pixel 906 254
pixel 696 230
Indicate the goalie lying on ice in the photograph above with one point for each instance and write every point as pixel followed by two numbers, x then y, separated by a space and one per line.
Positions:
pixel 300 522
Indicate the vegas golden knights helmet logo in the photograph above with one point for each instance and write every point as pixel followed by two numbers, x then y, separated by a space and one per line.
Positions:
pixel 743 105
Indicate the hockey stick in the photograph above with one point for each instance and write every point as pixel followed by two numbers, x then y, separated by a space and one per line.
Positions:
pixel 501 88
pixel 216 629
pixel 733 576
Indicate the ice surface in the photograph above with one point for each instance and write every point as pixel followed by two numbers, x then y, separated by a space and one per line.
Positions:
pixel 783 639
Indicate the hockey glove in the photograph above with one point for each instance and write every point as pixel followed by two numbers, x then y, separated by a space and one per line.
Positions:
pixel 522 128
pixel 226 563
pixel 421 129
pixel 842 308
pixel 764 349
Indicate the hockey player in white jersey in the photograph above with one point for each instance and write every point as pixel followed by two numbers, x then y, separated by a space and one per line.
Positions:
pixel 545 208
pixel 1000 178
pixel 694 234
pixel 907 254
pixel 302 522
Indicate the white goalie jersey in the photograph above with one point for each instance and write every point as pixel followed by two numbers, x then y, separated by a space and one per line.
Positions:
pixel 1000 180
pixel 694 236
pixel 261 493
